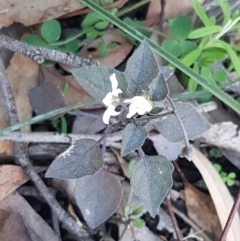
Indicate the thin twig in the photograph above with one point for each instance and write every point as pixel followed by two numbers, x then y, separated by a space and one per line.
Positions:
pixel 53 137
pixel 39 54
pixel 230 217
pixel 173 218
pixel 22 158
pixel 162 13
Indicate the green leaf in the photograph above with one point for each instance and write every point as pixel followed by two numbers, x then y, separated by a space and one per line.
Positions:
pixel 205 31
pixel 112 45
pixel 92 34
pixel 130 166
pixel 65 89
pixel 191 57
pixel 232 175
pixel 133 138
pixel 217 167
pixel 187 47
pixel 172 46
pixel 192 84
pixel 82 158
pixel 158 89
pixel 127 211
pixel 181 27
pixel 141 69
pixel 134 33
pixel 101 25
pixel 63 124
pixel 90 19
pixel 230 182
pixel 220 76
pixel 138 222
pixel 214 54
pixel 51 30
pixel 102 49
pixel 98 197
pixel 35 40
pixel 138 210
pixel 72 46
pixel 151 179
pixel 193 123
pixel 96 80
pixel 198 8
pixel 225 7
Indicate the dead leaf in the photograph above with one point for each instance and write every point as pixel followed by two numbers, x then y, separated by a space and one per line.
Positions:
pixel 11 177
pixel 38 229
pixel 221 197
pixel 202 212
pixel 75 92
pixel 225 135
pixel 30 12
pixel 12 227
pixel 22 74
pixel 115 56
pixel 173 8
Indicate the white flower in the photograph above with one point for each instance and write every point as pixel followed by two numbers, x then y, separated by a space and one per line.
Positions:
pixel 139 105
pixel 111 100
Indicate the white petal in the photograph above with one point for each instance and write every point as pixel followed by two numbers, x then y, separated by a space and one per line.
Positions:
pixel 110 111
pixel 108 99
pixel 114 81
pixel 132 111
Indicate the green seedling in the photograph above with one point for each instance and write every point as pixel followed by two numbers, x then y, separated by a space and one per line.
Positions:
pixel 228 178
pixel 215 152
pixel 201 48
pixel 129 214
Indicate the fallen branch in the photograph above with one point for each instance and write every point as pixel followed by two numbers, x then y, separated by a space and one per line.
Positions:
pixel 39 54
pixel 22 158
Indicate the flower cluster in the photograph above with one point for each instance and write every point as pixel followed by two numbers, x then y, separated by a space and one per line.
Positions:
pixel 137 105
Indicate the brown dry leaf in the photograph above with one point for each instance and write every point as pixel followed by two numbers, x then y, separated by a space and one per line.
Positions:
pixel 30 12
pixel 115 56
pixel 202 212
pixel 38 229
pixel 11 177
pixel 173 8
pixel 75 92
pixel 12 227
pixel 221 197
pixel 225 135
pixel 22 74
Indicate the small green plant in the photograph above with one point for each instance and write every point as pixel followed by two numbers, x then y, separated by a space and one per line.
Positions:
pixel 215 152
pixel 130 214
pixel 228 178
pixel 201 48
pixel 61 123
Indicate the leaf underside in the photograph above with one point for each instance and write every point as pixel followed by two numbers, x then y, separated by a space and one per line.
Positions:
pixel 98 197
pixel 82 158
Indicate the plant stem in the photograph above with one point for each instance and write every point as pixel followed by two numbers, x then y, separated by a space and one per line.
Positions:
pixel 230 217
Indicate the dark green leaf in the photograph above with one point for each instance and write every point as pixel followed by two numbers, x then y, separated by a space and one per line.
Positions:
pixel 193 122
pixel 138 222
pixel 82 158
pixel 98 197
pixel 187 47
pixel 141 69
pixel 181 27
pixel 51 30
pixel 133 138
pixel 172 46
pixel 92 34
pixel 72 46
pixel 158 89
pixel 96 80
pixel 35 40
pixel 101 25
pixel 220 76
pixel 151 179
